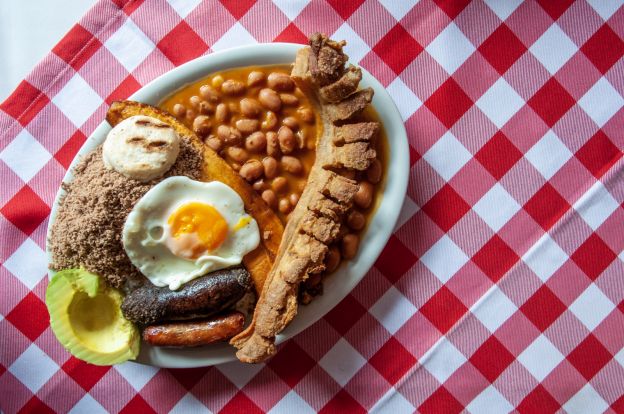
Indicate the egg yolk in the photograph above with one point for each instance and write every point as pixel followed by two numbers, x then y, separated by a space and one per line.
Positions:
pixel 202 220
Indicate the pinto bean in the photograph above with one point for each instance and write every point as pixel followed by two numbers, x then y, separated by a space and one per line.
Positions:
pixel 294 199
pixel 233 87
pixel 364 195
pixel 255 78
pixel 289 99
pixel 247 126
pixel 332 260
pixel 190 115
pixel 292 164
pixel 290 122
pixel 280 82
pixel 269 197
pixel 280 184
pixel 250 107
pixel 270 121
pixel 356 220
pixel 217 82
pixel 256 142
pixel 270 167
pixel 222 112
pixel 258 185
pixel 229 135
pixel 284 206
pixel 273 148
pixel 251 170
pixel 287 140
pixel 306 114
pixel 194 101
pixel 201 125
pixel 270 99
pixel 214 143
pixel 237 154
pixel 350 244
pixel 209 93
pixel 179 110
pixel 374 172
pixel 206 107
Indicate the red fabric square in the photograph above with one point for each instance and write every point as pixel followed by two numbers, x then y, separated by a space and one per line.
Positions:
pixel 126 88
pixel 446 207
pixel 618 406
pixel 414 155
pixel 345 314
pixel 452 7
pixel 86 375
pixel 30 316
pixel 182 44
pixel 441 401
pixel 543 308
pixel 345 8
pixel 555 8
pixel 498 155
pixel 449 102
pixel 137 405
pixel 189 377
pixel 128 6
pixel 604 48
pixel 539 401
pixel 77 46
pixel 495 258
pixel 342 403
pixel 551 102
pixel 25 103
pixel 25 210
pixel 238 8
pixel 492 358
pixel 282 363
pixel 292 34
pixel 546 206
pixel 392 360
pixel 397 48
pixel 593 256
pixel 598 154
pixel 589 357
pixel 65 155
pixel 395 259
pixel 502 49
pixel 443 309
pixel 240 403
pixel 35 405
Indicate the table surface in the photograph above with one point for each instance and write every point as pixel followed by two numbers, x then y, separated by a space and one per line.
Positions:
pixel 501 288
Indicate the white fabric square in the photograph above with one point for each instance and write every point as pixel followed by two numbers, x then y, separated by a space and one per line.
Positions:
pixel 129 45
pixel 342 362
pixel 540 358
pixel 494 309
pixel 444 258
pixel 553 49
pixel 405 100
pixel 28 263
pixel 356 47
pixel 496 207
pixel 292 403
pixel 88 404
pixel 393 402
pixel 596 205
pixel 291 8
pixel 33 368
pixel 490 401
pixel 451 48
pixel 407 212
pixel 601 102
pixel 398 9
pixel 545 257
pixel 183 7
pixel 503 8
pixel 586 401
pixel 137 375
pixel 619 357
pixel 392 310
pixel 443 360
pixel 500 102
pixel 548 155
pixel 189 404
pixel 77 100
pixel 591 307
pixel 605 8
pixel 447 156
pixel 25 155
pixel 239 374
pixel 236 36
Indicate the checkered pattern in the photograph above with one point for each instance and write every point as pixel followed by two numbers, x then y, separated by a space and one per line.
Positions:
pixel 501 288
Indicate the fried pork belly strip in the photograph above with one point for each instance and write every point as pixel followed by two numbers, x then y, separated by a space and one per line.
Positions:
pixel 328 196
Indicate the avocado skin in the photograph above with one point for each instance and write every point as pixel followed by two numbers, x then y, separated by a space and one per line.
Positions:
pixel 206 295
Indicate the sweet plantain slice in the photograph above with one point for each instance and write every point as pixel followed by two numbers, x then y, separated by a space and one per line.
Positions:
pixel 215 168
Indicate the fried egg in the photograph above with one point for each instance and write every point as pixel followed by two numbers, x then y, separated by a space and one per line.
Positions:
pixel 182 229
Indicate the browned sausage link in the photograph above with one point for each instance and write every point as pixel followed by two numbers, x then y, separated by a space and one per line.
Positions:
pixel 195 333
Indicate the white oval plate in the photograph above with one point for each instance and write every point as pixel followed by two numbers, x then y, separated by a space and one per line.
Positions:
pixel 379 230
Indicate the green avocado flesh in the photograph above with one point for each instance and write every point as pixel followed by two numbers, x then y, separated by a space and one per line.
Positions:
pixel 85 315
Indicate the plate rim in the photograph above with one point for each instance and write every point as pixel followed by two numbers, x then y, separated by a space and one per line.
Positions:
pixel 380 228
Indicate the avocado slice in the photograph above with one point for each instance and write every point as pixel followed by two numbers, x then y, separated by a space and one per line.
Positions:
pixel 85 316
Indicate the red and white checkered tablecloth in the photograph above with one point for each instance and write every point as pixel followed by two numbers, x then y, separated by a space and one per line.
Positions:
pixel 502 287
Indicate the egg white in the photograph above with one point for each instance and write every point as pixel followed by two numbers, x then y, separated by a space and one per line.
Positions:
pixel 146 230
